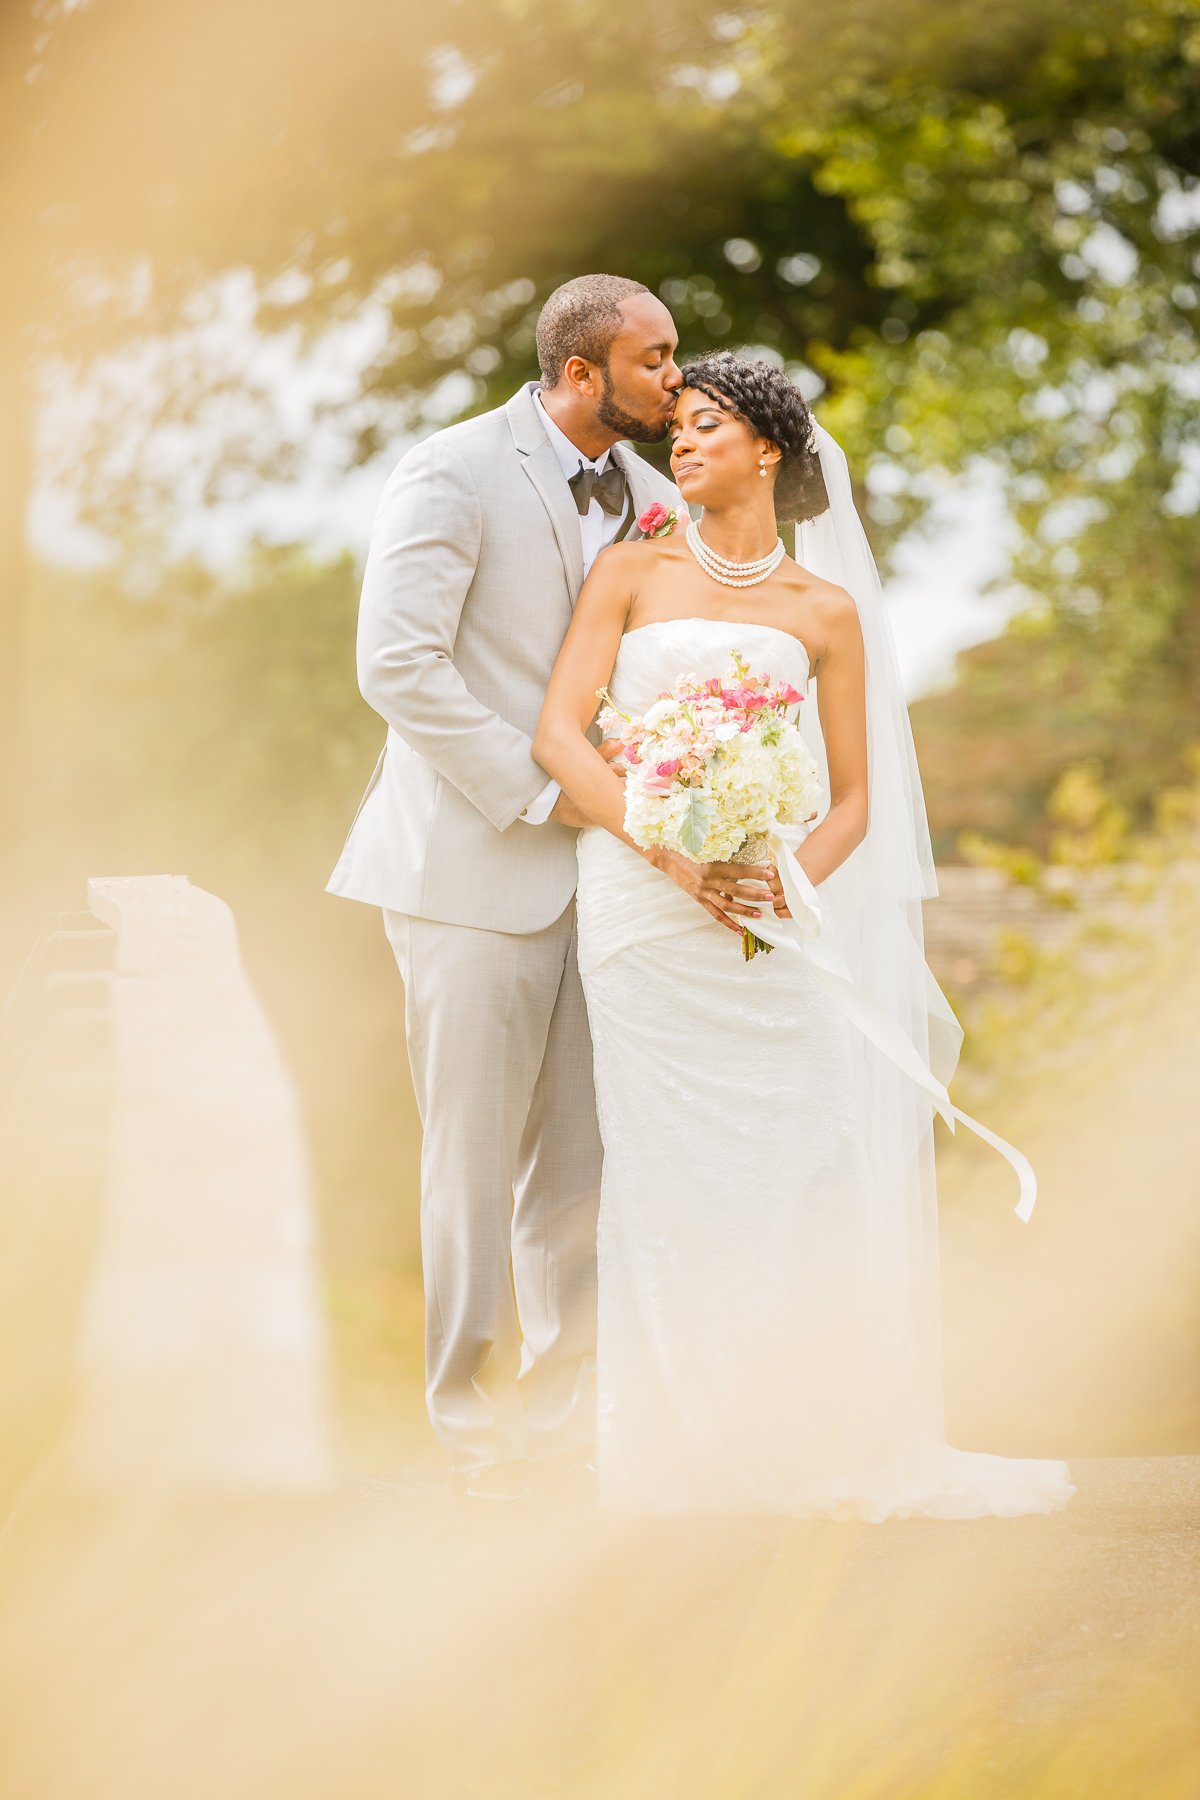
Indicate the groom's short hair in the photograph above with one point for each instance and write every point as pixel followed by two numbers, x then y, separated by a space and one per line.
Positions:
pixel 581 318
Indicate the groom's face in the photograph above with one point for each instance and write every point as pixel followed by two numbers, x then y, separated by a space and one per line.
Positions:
pixel 639 385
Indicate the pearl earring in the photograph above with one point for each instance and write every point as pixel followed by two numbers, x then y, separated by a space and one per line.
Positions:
pixel 762 468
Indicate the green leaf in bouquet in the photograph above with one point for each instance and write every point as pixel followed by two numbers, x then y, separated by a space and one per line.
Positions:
pixel 695 824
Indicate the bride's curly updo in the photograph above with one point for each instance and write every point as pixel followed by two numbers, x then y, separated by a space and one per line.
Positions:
pixel 764 398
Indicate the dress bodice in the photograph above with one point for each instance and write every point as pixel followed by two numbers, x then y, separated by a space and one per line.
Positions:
pixel 653 657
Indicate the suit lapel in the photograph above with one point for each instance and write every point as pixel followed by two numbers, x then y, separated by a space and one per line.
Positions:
pixel 542 467
pixel 544 471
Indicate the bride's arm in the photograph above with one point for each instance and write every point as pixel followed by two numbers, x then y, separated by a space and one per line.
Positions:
pixel 585 663
pixel 842 705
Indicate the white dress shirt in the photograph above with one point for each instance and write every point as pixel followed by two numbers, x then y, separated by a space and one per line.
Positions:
pixel 597 529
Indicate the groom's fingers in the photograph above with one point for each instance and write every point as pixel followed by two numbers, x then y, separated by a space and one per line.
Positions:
pixel 610 749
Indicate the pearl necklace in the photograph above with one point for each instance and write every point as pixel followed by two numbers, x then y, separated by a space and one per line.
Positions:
pixel 732 574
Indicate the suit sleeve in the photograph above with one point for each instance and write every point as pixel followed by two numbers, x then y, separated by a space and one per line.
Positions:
pixel 424 549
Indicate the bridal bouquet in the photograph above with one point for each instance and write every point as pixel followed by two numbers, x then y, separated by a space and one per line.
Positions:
pixel 713 765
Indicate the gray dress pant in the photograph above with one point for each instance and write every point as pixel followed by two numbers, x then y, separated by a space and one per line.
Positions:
pixel 501 1063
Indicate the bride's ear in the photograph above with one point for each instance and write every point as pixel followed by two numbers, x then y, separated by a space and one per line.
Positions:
pixel 767 453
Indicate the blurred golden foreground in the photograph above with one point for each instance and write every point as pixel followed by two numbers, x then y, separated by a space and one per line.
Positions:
pixel 378 1637
pixel 358 1649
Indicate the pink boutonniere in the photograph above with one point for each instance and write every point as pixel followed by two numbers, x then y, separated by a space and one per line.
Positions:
pixel 657 521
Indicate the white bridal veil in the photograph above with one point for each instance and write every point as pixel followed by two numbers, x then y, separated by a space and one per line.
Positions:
pixel 864 935
pixel 879 888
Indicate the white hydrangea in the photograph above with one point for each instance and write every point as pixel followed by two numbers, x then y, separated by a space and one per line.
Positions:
pixel 750 780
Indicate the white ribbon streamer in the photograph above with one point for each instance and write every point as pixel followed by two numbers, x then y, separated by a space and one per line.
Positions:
pixel 805 931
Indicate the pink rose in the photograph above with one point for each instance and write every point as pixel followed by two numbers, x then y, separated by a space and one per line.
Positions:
pixel 668 768
pixel 657 520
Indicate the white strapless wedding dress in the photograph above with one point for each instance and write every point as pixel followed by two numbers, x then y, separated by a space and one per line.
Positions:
pixel 758 1345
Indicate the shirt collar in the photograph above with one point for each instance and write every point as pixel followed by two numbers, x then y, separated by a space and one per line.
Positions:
pixel 569 455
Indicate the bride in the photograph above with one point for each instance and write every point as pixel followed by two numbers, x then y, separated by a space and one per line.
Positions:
pixel 768 1271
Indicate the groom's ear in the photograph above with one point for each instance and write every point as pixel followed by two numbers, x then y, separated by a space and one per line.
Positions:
pixel 581 376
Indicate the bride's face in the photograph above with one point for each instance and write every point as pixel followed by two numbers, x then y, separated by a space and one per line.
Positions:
pixel 715 457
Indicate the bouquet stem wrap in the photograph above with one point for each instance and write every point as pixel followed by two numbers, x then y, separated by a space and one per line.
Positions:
pixel 755 850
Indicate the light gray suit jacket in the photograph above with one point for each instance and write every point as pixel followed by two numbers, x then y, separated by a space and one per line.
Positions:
pixel 474 567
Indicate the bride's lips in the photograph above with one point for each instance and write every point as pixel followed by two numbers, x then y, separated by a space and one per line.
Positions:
pixel 686 468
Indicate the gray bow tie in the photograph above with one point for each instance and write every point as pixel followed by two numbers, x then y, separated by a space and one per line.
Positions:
pixel 608 488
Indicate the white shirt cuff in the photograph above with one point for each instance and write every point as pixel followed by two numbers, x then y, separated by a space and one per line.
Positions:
pixel 540 808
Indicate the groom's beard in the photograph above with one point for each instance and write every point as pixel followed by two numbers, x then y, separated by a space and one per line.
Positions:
pixel 625 424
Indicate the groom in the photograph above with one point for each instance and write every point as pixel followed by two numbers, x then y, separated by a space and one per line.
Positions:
pixel 481 542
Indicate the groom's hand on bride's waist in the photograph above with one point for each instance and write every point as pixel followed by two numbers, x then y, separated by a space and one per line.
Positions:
pixel 564 811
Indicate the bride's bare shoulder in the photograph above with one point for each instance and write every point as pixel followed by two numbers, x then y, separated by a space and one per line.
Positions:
pixel 639 555
pixel 832 602
pixel 826 614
